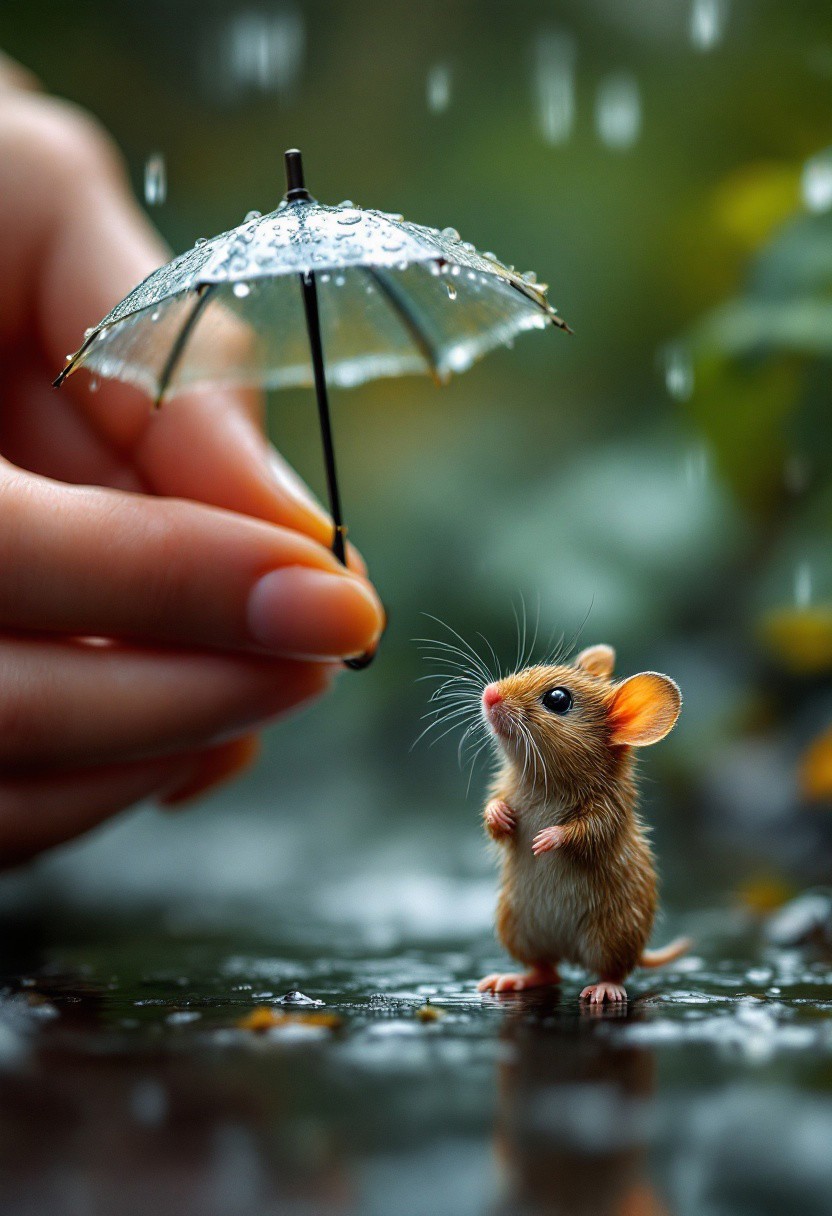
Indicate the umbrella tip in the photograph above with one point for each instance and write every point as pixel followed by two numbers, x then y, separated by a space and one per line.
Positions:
pixel 296 187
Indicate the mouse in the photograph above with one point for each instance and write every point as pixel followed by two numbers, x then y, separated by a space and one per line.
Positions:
pixel 578 882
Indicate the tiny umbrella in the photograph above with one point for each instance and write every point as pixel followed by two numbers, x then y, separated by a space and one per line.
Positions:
pixel 260 304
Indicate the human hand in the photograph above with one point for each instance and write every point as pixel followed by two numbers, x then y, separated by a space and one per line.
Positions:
pixel 182 538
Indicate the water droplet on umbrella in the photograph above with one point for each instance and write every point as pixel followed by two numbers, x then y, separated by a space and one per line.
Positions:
pixel 435 269
pixel 450 234
pixel 618 111
pixel 282 205
pixel 438 88
pixel 554 85
pixel 349 219
pixel 252 215
pixel 340 280
pixel 816 182
pixel 468 247
pixel 155 180
pixel 345 203
pixel 241 290
pixel 707 23
pixel 491 256
pixel 402 265
pixel 455 270
pixel 324 278
pixel 392 246
pixel 452 293
pixel 803 585
pixel 529 276
pixel 200 240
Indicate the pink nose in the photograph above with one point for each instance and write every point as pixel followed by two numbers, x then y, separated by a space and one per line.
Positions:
pixel 491 696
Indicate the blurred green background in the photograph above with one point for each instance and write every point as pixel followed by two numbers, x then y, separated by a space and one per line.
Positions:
pixel 664 477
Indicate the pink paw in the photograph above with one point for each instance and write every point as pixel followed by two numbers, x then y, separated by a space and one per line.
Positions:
pixel 499 818
pixel 548 839
pixel 519 981
pixel 597 994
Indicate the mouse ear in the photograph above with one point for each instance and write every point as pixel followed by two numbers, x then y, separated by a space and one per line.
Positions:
pixel 643 709
pixel 597 660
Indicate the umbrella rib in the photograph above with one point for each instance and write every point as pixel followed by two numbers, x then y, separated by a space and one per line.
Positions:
pixel 400 304
pixel 204 294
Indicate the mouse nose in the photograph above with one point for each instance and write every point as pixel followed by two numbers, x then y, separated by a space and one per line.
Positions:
pixel 491 696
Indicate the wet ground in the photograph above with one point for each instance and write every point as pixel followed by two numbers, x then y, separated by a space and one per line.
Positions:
pixel 128 1085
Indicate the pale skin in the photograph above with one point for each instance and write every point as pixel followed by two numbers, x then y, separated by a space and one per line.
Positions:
pixel 182 540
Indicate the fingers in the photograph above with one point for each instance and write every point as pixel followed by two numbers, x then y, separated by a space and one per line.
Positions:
pixel 88 561
pixel 65 704
pixel 73 242
pixel 39 812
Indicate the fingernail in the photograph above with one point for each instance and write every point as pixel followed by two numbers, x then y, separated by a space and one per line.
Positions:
pixel 292 484
pixel 215 767
pixel 301 611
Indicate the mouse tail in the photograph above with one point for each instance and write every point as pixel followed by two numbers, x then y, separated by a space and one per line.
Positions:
pixel 667 954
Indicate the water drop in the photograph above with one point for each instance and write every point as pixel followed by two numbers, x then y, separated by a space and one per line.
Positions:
pixel 468 247
pixel 200 240
pixel 324 278
pixel 529 276
pixel 438 88
pixel 88 332
pixel 449 234
pixel 803 585
pixel 697 466
pixel 456 271
pixel 95 384
pixel 618 111
pixel 349 219
pixel 346 203
pixel 435 269
pixel 816 182
pixel 554 85
pixel 154 316
pixel 707 23
pixel 340 280
pixel 259 51
pixel 452 292
pixel 241 290
pixel 155 180
pixel 678 373
pixel 282 205
pixel 251 216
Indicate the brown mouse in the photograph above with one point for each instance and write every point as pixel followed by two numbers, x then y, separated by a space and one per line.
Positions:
pixel 578 876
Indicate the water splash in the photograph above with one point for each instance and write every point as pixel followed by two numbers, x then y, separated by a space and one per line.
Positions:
pixel 803 585
pixel 678 373
pixel 707 23
pixel 554 85
pixel 618 111
pixel 155 180
pixel 816 182
pixel 438 88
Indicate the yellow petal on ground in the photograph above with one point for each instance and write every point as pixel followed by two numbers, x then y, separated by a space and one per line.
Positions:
pixel 801 638
pixel 264 1018
pixel 815 769
pixel 764 893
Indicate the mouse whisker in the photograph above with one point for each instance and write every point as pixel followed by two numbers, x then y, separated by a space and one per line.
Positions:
pixel 467 647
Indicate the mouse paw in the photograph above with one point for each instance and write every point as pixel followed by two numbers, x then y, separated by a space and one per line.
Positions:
pixel 548 839
pixel 597 994
pixel 499 819
pixel 519 981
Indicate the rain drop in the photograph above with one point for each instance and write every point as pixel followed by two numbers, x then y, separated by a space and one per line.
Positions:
pixel 452 292
pixel 95 384
pixel 803 585
pixel 154 316
pixel 529 276
pixel 259 52
pixel 241 290
pixel 678 373
pixel 816 182
pixel 340 280
pixel 468 247
pixel 438 88
pixel 449 234
pixel 88 332
pixel 349 219
pixel 251 216
pixel 155 180
pixel 554 85
pixel 618 111
pixel 492 257
pixel 435 269
pixel 200 240
pixel 697 466
pixel 345 203
pixel 707 23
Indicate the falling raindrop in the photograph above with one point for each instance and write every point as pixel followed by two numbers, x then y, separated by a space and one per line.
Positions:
pixel 803 585
pixel 554 85
pixel 258 51
pixel 155 180
pixel 678 373
pixel 618 111
pixel 452 292
pixel 438 88
pixel 241 290
pixel 707 23
pixel 816 182
pixel 697 466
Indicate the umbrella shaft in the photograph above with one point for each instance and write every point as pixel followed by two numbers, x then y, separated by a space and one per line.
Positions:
pixel 313 327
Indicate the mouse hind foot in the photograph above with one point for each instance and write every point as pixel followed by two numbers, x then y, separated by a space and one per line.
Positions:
pixel 604 990
pixel 543 976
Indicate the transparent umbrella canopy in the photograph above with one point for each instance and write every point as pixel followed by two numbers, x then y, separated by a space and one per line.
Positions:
pixel 260 305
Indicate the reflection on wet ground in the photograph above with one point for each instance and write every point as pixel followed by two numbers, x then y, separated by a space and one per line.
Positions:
pixel 129 1083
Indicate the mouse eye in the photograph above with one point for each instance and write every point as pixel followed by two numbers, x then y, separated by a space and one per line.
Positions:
pixel 557 700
